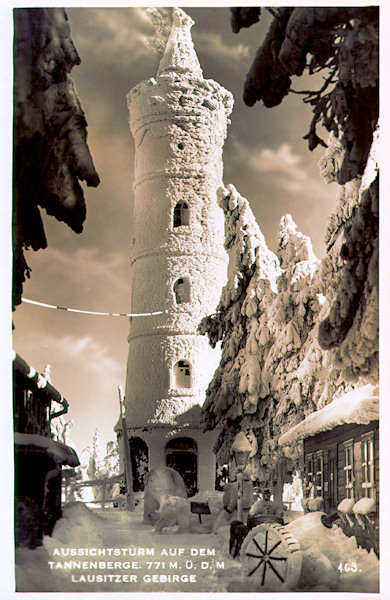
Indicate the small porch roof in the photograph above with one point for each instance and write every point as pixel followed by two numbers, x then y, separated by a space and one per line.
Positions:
pixel 60 453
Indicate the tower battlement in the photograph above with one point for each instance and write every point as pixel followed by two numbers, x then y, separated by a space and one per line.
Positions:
pixel 178 119
pixel 192 113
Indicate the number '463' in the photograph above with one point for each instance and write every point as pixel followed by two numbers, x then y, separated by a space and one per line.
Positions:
pixel 346 567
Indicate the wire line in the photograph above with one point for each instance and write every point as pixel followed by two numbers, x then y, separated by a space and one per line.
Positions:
pixel 90 312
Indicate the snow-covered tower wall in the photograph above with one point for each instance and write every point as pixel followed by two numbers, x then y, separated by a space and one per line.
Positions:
pixel 178 262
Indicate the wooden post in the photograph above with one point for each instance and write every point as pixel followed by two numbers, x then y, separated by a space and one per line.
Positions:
pixel 104 487
pixel 240 491
pixel 126 446
pixel 278 484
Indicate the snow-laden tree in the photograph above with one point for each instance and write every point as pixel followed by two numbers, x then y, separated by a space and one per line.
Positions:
pixel 273 371
pixel 60 429
pixel 99 462
pixel 51 154
pixel 352 325
pixel 92 457
pixel 342 44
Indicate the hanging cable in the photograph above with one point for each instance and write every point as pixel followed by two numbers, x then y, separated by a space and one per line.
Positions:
pixel 90 312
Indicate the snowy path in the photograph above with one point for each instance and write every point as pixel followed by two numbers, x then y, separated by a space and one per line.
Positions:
pixel 114 551
pixel 110 550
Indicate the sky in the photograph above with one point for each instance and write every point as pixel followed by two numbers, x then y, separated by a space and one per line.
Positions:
pixel 265 158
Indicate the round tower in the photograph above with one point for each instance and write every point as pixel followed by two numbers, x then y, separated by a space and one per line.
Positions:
pixel 178 263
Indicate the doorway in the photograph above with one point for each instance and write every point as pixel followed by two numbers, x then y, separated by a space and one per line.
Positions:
pixel 139 453
pixel 182 455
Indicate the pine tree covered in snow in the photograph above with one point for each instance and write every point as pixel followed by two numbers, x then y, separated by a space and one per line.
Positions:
pixel 92 458
pixel 51 155
pixel 352 325
pixel 273 372
pixel 342 43
pixel 98 462
pixel 60 430
pixel 296 333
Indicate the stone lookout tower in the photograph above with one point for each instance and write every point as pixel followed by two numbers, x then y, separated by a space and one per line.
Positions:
pixel 178 263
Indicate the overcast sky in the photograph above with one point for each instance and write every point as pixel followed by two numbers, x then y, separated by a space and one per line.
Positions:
pixel 265 158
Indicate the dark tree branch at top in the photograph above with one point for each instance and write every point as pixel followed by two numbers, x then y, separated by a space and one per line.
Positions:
pixel 342 39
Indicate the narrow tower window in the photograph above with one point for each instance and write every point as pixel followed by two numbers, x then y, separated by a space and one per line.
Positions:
pixel 181 214
pixel 182 374
pixel 181 288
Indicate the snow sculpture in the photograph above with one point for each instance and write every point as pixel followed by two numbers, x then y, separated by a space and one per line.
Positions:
pixel 161 483
pixel 177 512
pixel 178 120
pixel 173 510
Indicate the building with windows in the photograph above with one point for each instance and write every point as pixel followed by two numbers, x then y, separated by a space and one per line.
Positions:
pixel 178 121
pixel 341 460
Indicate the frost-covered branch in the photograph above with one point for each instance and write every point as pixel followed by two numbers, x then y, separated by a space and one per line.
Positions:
pixel 343 39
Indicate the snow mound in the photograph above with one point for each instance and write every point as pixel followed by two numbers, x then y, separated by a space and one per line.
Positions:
pixel 324 549
pixel 32 573
pixel 78 525
pixel 346 505
pixel 364 506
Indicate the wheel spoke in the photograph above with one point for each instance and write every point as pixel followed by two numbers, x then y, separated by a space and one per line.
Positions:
pixel 275 571
pixel 264 570
pixel 254 555
pixel 278 558
pixel 258 545
pixel 266 542
pixel 256 567
pixel 273 547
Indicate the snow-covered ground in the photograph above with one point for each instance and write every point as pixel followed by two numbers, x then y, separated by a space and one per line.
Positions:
pixel 172 561
pixel 108 550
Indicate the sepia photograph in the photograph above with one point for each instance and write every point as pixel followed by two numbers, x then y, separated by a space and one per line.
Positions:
pixel 195 300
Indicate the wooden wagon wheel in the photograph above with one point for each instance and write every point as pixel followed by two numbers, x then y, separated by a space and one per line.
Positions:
pixel 272 557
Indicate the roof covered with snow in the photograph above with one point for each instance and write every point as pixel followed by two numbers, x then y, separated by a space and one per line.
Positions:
pixel 359 406
pixel 60 453
pixel 38 383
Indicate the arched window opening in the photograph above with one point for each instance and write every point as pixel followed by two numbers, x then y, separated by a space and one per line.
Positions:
pixel 139 453
pixel 181 288
pixel 181 214
pixel 182 374
pixel 182 455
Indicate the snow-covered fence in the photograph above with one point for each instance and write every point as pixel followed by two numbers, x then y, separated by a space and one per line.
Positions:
pixel 103 484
